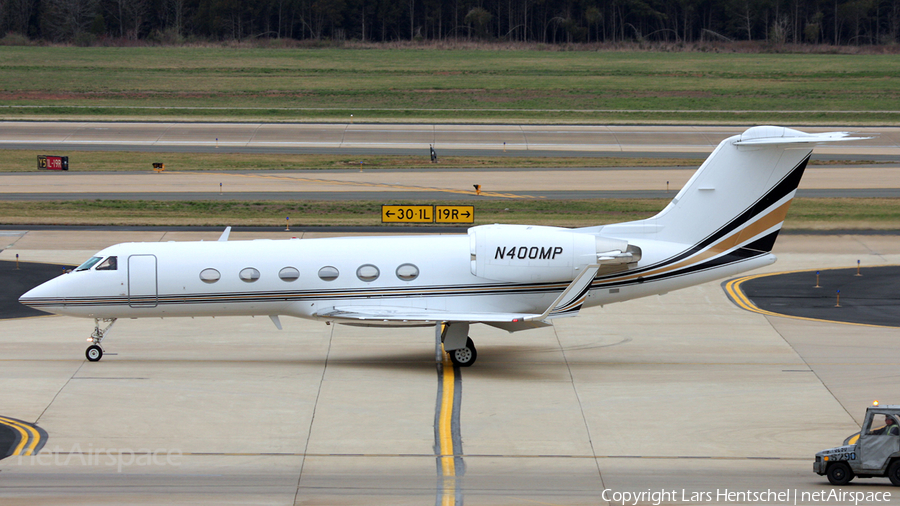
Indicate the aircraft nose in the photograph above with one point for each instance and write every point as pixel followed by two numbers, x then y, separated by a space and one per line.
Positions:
pixel 41 294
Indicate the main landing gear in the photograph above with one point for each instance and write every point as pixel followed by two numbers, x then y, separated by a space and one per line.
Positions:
pixel 465 356
pixel 458 344
pixel 94 352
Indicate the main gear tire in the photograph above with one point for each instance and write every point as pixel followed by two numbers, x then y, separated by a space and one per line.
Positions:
pixel 465 356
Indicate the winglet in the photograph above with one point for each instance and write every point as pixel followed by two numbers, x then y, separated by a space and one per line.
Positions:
pixel 571 299
pixel 225 234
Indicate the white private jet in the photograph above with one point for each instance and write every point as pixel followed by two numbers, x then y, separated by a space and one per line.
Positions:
pixel 514 277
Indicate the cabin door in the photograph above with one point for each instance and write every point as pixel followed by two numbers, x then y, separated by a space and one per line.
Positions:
pixel 142 281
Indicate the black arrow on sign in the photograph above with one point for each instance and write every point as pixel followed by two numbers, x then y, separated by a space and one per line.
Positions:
pixel 466 214
pixel 388 214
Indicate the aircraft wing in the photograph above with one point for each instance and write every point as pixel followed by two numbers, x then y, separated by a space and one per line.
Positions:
pixel 568 303
pixel 404 314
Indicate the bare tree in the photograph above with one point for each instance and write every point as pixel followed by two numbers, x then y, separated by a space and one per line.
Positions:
pixel 593 16
pixel 479 17
pixel 66 19
pixel 136 13
pixel 780 30
pixel 20 12
pixel 176 7
pixel 747 18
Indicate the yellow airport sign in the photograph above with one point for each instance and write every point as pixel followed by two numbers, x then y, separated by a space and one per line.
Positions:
pixel 454 214
pixel 407 214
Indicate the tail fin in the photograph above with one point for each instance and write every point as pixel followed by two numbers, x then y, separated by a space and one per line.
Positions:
pixel 739 196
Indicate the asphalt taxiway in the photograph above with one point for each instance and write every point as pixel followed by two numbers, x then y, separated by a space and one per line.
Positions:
pixel 685 392
pixel 618 140
pixel 385 184
pixel 866 296
pixel 19 277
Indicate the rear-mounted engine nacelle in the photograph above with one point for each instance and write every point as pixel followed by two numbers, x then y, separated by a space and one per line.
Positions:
pixel 541 254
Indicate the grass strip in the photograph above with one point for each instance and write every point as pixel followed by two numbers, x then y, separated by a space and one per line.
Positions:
pixel 381 85
pixel 805 213
pixel 12 160
pixel 26 161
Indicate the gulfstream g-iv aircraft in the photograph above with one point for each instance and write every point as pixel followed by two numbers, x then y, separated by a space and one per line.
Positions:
pixel 514 277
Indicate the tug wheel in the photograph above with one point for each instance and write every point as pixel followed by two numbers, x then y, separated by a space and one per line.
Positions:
pixel 839 473
pixel 894 473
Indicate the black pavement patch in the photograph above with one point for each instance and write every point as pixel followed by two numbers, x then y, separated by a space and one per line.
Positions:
pixel 872 298
pixel 13 283
pixel 9 438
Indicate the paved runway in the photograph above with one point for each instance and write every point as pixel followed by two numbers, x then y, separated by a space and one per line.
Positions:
pixel 406 138
pixel 385 184
pixel 430 195
pixel 685 393
pixel 454 184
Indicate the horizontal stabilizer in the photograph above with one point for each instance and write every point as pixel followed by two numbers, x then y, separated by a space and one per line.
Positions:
pixel 769 135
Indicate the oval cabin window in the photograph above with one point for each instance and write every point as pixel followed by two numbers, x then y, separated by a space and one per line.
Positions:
pixel 367 272
pixel 289 274
pixel 209 275
pixel 328 273
pixel 407 272
pixel 249 275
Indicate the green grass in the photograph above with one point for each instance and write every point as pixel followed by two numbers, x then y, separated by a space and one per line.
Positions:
pixel 447 85
pixel 12 160
pixel 327 213
pixel 26 161
pixel 844 213
pixel 821 214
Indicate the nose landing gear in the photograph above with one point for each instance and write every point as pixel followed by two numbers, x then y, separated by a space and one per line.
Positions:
pixel 94 352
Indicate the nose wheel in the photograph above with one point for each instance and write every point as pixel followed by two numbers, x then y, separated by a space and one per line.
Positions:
pixel 94 352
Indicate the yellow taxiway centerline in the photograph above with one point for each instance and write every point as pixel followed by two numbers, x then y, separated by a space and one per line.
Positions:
pixel 445 431
pixel 444 425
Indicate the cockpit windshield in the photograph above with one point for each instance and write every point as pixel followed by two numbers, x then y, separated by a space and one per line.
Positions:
pixel 110 264
pixel 90 263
